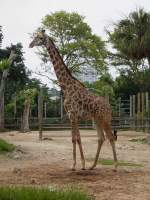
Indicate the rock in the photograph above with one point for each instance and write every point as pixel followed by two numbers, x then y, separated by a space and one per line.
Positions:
pixel 17 171
pixel 46 138
pixel 33 181
pixel 16 156
pixel 11 134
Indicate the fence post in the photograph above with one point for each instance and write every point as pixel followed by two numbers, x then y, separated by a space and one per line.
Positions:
pixel 147 111
pixel 131 106
pixel 134 119
pixel 119 109
pixel 40 112
pixel 45 110
pixel 138 110
pixel 143 109
pixel 61 105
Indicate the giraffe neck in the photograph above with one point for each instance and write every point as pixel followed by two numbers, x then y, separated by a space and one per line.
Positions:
pixel 62 72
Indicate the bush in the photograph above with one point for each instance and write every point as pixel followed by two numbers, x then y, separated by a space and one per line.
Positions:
pixel 5 146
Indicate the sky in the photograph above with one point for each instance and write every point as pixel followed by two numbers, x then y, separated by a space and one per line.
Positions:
pixel 20 18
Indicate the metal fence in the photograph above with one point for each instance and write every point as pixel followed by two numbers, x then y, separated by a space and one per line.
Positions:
pixel 119 123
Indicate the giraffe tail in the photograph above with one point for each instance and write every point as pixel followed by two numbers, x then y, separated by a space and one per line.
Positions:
pixel 115 134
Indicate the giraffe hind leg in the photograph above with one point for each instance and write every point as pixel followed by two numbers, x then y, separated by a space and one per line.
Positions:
pixel 101 139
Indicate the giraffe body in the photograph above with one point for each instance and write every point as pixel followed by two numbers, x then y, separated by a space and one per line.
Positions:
pixel 79 103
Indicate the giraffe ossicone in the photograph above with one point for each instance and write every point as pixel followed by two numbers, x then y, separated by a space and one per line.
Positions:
pixel 79 103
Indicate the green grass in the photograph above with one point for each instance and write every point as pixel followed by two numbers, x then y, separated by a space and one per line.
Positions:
pixel 120 163
pixel 141 140
pixel 32 193
pixel 5 146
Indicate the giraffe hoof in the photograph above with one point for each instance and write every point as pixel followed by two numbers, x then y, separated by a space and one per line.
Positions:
pixel 73 169
pixel 91 168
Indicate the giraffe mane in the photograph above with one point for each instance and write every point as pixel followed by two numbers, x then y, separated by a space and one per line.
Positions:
pixel 68 71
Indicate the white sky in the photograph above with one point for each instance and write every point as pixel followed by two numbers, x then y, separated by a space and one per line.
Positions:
pixel 21 17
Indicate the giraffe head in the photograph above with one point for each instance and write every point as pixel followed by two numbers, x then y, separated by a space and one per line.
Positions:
pixel 39 39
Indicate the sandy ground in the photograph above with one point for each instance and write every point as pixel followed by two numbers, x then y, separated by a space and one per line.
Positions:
pixel 48 163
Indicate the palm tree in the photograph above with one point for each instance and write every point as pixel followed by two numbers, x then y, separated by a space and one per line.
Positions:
pixel 131 36
pixel 4 67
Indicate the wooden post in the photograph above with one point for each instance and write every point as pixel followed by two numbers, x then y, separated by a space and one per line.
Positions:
pixel 131 106
pixel 61 106
pixel 134 118
pixel 45 110
pixel 40 113
pixel 147 111
pixel 15 107
pixel 119 109
pixel 138 109
pixel 142 110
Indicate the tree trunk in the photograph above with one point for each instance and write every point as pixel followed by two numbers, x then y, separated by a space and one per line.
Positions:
pixel 2 89
pixel 148 59
pixel 25 119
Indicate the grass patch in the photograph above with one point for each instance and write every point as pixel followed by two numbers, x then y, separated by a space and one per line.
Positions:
pixel 32 193
pixel 141 140
pixel 120 163
pixel 5 146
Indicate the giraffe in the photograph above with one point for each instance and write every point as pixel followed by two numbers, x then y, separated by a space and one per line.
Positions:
pixel 79 103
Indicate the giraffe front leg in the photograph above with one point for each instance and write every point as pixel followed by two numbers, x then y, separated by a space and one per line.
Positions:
pixel 81 150
pixel 74 151
pixel 76 139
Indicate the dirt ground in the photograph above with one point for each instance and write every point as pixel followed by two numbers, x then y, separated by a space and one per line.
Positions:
pixel 48 163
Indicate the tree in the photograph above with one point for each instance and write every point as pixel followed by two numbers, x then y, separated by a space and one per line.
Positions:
pixel 131 37
pixel 131 40
pixel 4 66
pixel 76 43
pixel 27 96
pixel 103 87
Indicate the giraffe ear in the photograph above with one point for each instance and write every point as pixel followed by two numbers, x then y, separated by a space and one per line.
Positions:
pixel 43 31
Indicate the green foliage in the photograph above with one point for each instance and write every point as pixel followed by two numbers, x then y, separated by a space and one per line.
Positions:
pixel 120 163
pixel 5 146
pixel 28 93
pixel 32 193
pixel 4 64
pixel 131 40
pixel 130 83
pixel 131 35
pixel 76 43
pixel 103 87
pixel 18 76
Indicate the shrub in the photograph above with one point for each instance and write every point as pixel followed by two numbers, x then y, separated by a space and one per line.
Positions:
pixel 5 146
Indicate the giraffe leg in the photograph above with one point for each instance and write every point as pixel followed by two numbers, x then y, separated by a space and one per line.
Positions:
pixel 76 139
pixel 81 150
pixel 101 140
pixel 112 142
pixel 111 138
pixel 74 151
